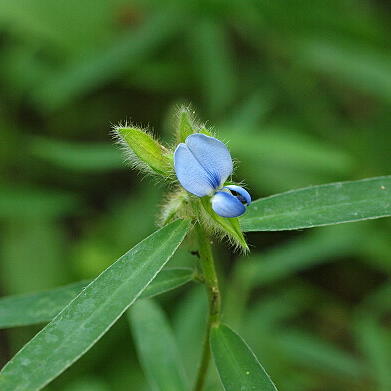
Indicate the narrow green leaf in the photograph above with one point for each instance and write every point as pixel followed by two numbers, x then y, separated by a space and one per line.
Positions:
pixel 157 347
pixel 92 313
pixel 167 280
pixel 237 365
pixel 41 307
pixel 321 205
pixel 23 310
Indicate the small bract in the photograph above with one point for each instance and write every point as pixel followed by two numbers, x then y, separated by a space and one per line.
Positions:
pixel 202 165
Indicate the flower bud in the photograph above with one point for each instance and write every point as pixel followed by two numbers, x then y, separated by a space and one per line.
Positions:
pixel 143 151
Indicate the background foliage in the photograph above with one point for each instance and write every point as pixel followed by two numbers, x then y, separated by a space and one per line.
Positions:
pixel 300 89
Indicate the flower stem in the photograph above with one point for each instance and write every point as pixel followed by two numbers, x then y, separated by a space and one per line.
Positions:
pixel 214 298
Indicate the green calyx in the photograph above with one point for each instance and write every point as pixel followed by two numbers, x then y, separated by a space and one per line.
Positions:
pixel 180 204
pixel 187 125
pixel 224 226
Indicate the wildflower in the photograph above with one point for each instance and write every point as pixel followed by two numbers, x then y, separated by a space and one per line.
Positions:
pixel 202 165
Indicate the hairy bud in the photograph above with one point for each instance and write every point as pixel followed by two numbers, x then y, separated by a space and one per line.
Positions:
pixel 143 151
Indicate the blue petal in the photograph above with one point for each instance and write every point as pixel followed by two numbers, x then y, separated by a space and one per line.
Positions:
pixel 213 156
pixel 191 175
pixel 226 205
pixel 243 194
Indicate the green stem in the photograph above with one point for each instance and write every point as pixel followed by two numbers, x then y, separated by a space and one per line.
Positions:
pixel 214 298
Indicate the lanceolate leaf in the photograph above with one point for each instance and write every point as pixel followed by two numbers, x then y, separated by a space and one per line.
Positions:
pixel 321 205
pixel 237 365
pixel 157 348
pixel 42 307
pixel 92 313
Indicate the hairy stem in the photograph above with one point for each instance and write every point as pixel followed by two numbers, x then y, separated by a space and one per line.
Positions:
pixel 214 298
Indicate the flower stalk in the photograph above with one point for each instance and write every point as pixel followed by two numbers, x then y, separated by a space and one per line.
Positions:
pixel 210 280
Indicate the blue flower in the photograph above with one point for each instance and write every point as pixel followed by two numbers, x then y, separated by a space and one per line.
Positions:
pixel 202 165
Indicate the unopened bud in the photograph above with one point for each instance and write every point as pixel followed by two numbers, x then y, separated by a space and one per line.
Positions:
pixel 143 151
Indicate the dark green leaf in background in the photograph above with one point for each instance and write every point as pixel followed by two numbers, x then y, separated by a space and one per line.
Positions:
pixel 212 59
pixel 313 352
pixel 157 348
pixel 88 157
pixel 285 145
pixel 189 326
pixel 318 247
pixel 91 71
pixel 25 202
pixel 366 70
pixel 374 342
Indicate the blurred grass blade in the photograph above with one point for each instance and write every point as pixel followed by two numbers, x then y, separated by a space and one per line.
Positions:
pixel 289 147
pixel 248 114
pixel 33 247
pixel 313 352
pixel 189 327
pixel 92 313
pixel 87 383
pixel 375 304
pixel 375 343
pixel 276 308
pixel 127 52
pixel 316 247
pixel 305 252
pixel 86 157
pixel 26 202
pixel 362 68
pixel 157 348
pixel 237 365
pixel 213 61
pixel 321 205
pixel 42 307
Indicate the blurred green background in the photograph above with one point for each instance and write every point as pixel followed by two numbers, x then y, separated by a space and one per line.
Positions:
pixel 300 89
